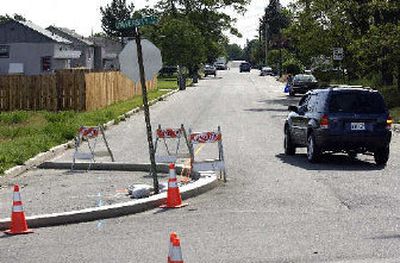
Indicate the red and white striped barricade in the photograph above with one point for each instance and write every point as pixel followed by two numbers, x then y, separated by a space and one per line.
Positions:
pixel 214 165
pixel 89 135
pixel 172 152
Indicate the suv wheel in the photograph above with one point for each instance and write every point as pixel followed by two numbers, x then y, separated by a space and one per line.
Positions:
pixel 313 152
pixel 290 149
pixel 381 155
pixel 352 154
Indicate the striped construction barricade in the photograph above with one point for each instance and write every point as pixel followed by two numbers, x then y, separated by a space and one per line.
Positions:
pixel 88 135
pixel 208 137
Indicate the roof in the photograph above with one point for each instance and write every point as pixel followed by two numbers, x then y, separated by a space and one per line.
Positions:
pixel 73 34
pixel 44 32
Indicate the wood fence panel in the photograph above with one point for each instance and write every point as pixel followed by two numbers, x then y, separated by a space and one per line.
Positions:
pixel 67 90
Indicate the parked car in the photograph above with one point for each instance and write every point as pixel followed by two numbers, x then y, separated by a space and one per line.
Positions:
pixel 302 83
pixel 210 70
pixel 267 71
pixel 244 67
pixel 220 66
pixel 339 119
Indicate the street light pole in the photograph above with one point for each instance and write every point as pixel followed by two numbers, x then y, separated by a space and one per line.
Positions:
pixel 153 167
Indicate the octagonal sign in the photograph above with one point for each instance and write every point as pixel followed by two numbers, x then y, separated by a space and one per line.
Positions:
pixel 128 60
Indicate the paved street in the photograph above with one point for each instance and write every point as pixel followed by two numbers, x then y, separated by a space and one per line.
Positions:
pixel 274 208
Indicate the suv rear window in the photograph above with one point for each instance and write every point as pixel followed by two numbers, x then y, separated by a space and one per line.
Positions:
pixel 356 102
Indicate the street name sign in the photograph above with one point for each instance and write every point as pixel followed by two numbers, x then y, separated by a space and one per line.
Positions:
pixel 132 23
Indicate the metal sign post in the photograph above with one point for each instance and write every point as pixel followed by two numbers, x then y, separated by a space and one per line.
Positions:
pixel 134 24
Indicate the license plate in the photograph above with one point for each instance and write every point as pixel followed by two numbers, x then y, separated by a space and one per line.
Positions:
pixel 357 126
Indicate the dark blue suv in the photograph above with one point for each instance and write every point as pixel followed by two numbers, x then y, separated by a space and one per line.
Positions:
pixel 339 119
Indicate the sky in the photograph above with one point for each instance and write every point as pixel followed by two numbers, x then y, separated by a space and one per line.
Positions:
pixel 84 15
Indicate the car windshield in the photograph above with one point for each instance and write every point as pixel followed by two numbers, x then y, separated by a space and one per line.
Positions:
pixel 304 78
pixel 356 102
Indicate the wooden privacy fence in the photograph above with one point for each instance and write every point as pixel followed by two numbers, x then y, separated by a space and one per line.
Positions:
pixel 79 90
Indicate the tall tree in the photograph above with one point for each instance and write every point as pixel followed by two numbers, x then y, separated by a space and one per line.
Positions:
pixel 112 13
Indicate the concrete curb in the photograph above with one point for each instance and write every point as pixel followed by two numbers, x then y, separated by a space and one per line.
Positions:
pixel 58 150
pixel 207 182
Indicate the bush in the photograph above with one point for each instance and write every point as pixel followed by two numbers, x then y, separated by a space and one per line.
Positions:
pixel 292 66
pixel 391 95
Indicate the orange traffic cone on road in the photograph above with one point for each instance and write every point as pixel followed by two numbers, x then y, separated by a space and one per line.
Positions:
pixel 176 252
pixel 174 199
pixel 172 237
pixel 18 222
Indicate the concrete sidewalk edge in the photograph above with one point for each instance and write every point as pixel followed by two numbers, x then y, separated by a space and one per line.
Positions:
pixel 58 150
pixel 207 182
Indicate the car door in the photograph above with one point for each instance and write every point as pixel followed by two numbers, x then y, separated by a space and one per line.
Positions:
pixel 298 120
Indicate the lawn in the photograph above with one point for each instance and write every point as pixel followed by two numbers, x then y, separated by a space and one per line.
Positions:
pixel 24 134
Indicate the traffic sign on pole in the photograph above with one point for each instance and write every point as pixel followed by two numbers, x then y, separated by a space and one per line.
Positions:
pixel 128 60
pixel 338 53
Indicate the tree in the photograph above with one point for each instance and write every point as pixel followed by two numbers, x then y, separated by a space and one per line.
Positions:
pixel 209 17
pixel 182 43
pixel 234 51
pixel 7 17
pixel 112 13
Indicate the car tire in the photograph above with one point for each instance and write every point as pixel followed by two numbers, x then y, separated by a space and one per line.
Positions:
pixel 352 155
pixel 313 151
pixel 288 145
pixel 381 155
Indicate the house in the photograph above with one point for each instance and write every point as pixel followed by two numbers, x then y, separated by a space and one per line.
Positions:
pixel 26 48
pixel 86 60
pixel 106 53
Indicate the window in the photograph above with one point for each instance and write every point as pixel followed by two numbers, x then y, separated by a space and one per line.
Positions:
pixel 46 64
pixel 4 51
pixel 356 102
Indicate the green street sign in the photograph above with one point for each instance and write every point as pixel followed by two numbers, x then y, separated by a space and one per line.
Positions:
pixel 131 23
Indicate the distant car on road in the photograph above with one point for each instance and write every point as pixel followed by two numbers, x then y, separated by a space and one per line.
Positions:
pixel 220 66
pixel 244 67
pixel 210 70
pixel 339 119
pixel 267 71
pixel 302 83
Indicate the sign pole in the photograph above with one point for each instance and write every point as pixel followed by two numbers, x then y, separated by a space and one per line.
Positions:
pixel 153 167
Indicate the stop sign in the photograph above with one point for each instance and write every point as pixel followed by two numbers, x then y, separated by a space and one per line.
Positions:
pixel 128 60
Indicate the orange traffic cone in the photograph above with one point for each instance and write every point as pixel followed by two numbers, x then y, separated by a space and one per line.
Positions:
pixel 172 237
pixel 176 253
pixel 18 222
pixel 174 199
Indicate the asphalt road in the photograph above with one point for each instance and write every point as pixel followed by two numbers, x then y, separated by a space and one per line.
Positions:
pixel 274 208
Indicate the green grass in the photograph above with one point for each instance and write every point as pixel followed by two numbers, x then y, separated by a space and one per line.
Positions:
pixel 24 134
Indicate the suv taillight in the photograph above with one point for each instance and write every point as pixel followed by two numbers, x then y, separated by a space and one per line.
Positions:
pixel 389 122
pixel 324 122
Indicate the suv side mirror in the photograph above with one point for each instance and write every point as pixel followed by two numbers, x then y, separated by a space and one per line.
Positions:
pixel 293 108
